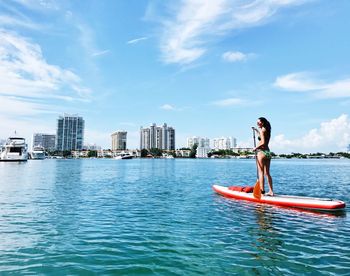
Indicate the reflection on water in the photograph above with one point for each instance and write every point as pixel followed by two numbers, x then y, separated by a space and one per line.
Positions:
pixel 162 217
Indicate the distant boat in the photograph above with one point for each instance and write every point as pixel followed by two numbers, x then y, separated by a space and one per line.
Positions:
pixel 15 149
pixel 38 153
pixel 123 155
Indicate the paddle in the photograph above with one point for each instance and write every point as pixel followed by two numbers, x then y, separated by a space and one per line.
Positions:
pixel 257 189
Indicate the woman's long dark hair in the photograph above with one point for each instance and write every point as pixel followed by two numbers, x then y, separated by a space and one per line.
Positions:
pixel 266 124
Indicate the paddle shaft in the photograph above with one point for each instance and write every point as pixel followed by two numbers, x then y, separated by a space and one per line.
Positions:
pixel 256 157
pixel 257 188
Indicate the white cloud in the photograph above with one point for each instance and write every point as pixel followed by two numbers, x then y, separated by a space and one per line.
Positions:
pixel 25 73
pixel 186 35
pixel 305 82
pixel 181 41
pixel 39 5
pixel 17 106
pixel 9 21
pixel 28 84
pixel 300 81
pixel 24 127
pixel 229 102
pixel 137 40
pixel 234 56
pixel 333 135
pixel 100 53
pixel 337 89
pixel 167 107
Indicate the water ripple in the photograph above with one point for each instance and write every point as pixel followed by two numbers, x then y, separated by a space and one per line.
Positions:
pixel 161 217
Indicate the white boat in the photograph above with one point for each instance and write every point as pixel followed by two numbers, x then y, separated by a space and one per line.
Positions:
pixel 123 155
pixel 38 153
pixel 15 149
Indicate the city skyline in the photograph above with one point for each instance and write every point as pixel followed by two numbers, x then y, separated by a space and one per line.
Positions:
pixel 208 68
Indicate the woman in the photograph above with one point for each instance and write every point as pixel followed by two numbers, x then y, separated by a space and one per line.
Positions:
pixel 264 154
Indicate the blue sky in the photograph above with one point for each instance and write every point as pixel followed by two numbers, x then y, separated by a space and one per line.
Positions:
pixel 208 68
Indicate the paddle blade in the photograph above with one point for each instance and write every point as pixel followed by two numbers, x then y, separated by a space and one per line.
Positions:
pixel 257 190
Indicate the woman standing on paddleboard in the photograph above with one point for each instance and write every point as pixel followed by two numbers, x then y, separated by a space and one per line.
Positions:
pixel 264 154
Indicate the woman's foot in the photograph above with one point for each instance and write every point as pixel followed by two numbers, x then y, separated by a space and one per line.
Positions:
pixel 270 193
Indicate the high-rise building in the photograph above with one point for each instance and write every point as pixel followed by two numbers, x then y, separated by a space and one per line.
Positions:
pixel 161 137
pixel 199 141
pixel 119 140
pixel 191 141
pixel 203 148
pixel 91 147
pixel 224 143
pixel 202 152
pixel 171 139
pixel 70 132
pixel 145 138
pixel 47 141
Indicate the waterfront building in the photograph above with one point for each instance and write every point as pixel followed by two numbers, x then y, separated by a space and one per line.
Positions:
pixel 202 152
pixel 241 149
pixel 145 140
pixel 46 141
pixel 203 148
pixel 203 145
pixel 80 153
pixel 91 147
pixel 201 142
pixel 160 137
pixel 119 139
pixel 70 132
pixel 104 153
pixel 224 143
pixel 191 141
pixel 183 153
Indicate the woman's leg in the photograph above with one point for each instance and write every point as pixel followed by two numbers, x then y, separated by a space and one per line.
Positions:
pixel 267 162
pixel 260 159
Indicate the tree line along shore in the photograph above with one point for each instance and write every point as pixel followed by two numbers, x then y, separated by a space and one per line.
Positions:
pixel 191 153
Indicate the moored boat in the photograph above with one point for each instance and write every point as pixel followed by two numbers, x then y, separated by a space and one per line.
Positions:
pixel 15 149
pixel 38 153
pixel 123 155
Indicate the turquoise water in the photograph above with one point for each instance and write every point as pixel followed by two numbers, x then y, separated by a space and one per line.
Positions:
pixel 160 217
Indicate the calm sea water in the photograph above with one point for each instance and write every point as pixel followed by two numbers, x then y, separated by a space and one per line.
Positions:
pixel 161 217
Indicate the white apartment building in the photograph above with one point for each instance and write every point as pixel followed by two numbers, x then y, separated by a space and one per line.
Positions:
pixel 119 139
pixel 160 137
pixel 224 143
pixel 202 152
pixel 192 141
pixel 91 147
pixel 201 142
pixel 47 141
pixel 203 145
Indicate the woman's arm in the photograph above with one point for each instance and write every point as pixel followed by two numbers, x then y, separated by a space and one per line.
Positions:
pixel 256 130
